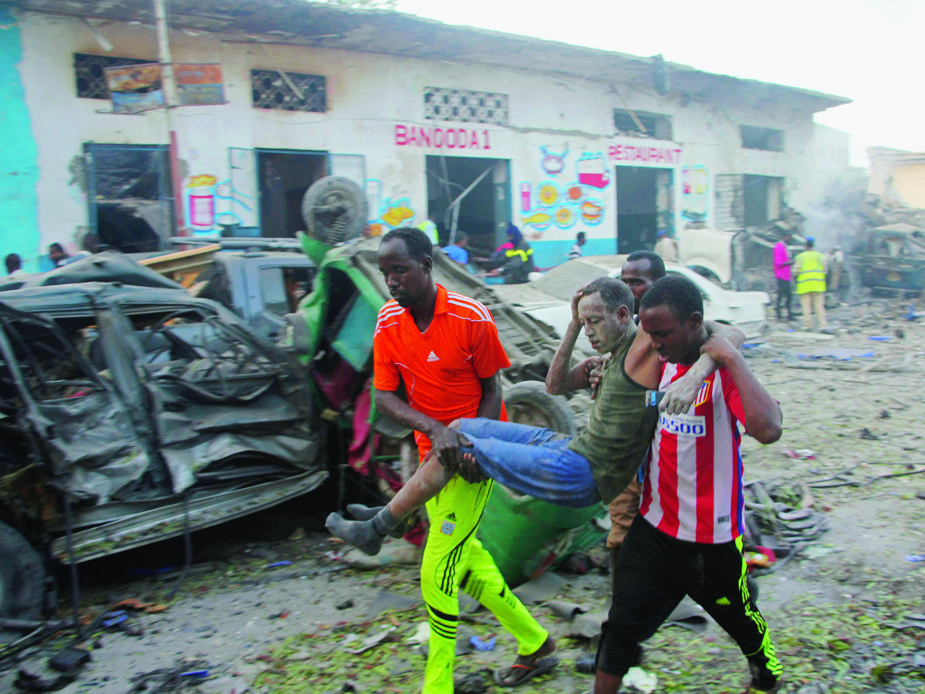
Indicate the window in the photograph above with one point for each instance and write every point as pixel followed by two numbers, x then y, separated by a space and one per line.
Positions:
pixel 289 91
pixel 762 138
pixel 465 106
pixel 89 71
pixel 642 124
pixel 131 203
pixel 283 288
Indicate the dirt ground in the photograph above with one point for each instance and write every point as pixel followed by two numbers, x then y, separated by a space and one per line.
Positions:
pixel 846 611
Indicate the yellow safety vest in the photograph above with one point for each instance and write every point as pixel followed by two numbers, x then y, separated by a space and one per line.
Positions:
pixel 523 254
pixel 812 272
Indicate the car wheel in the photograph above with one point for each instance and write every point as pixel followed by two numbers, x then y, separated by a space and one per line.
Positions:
pixel 334 209
pixel 22 576
pixel 528 402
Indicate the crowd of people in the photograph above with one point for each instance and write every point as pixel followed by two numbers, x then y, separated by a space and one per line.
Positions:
pixel 686 531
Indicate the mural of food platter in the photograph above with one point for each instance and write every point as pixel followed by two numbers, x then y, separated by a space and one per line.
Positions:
pixel 574 193
pixel 592 211
pixel 548 194
pixel 538 219
pixel 565 217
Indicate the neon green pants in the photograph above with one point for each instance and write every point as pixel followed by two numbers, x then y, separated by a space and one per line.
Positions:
pixel 454 559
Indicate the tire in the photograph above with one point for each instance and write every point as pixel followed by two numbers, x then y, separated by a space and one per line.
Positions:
pixel 334 209
pixel 22 577
pixel 528 402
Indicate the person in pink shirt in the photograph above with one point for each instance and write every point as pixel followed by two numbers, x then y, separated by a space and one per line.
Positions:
pixel 783 260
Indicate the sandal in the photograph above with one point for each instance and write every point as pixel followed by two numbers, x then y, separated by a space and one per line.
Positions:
pixel 521 671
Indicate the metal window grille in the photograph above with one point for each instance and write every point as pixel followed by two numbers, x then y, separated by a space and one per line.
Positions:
pixel 271 90
pixel 465 106
pixel 89 72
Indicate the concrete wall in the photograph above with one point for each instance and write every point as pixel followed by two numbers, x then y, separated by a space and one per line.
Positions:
pixel 559 138
pixel 19 171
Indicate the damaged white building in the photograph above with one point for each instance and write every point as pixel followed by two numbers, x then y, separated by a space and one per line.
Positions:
pixel 476 129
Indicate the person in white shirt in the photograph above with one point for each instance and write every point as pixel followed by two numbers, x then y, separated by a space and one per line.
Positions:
pixel 575 251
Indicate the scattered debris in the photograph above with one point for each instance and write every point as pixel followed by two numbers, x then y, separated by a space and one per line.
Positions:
pixel 480 645
pixel 780 518
pixel 371 641
pixel 540 589
pixel 638 680
pixel 800 453
pixel 471 683
pixel 279 563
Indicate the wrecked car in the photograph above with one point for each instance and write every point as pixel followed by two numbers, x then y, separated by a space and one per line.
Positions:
pixel 131 414
pixel 892 258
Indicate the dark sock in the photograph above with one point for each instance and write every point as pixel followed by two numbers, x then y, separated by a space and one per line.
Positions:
pixel 360 534
pixel 366 535
pixel 361 512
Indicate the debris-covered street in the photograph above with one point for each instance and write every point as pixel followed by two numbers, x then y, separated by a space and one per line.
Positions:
pixel 844 490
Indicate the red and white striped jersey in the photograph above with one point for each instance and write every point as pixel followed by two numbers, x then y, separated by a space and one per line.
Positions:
pixel 693 483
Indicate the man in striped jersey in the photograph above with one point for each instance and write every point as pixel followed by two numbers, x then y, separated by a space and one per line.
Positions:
pixel 687 538
pixel 444 349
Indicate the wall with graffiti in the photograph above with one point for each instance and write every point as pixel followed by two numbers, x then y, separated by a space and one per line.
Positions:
pixel 695 188
pixel 570 193
pixel 386 213
pixel 212 205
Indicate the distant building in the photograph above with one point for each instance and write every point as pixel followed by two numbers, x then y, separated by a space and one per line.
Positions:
pixel 897 175
pixel 559 138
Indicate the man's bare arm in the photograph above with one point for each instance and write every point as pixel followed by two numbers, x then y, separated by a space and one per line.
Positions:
pixel 490 404
pixel 443 440
pixel 561 378
pixel 680 395
pixel 763 417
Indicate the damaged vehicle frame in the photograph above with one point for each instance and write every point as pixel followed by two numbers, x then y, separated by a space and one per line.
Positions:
pixel 133 414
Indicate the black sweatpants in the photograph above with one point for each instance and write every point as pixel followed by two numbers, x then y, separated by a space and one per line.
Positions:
pixel 654 571
pixel 784 296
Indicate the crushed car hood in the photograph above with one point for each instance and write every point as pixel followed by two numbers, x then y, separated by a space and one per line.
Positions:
pixel 131 394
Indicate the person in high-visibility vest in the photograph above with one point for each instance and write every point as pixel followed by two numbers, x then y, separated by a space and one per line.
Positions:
pixel 429 227
pixel 809 268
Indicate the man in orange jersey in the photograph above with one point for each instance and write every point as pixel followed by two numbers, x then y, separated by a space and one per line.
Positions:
pixel 444 348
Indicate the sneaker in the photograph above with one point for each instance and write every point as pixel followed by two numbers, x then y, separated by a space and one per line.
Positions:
pixel 762 680
pixel 753 688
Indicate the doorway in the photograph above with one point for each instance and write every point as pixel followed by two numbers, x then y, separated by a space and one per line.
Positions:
pixel 762 196
pixel 644 206
pixel 474 192
pixel 131 203
pixel 284 176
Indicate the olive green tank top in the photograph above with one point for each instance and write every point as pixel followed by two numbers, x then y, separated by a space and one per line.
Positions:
pixel 619 429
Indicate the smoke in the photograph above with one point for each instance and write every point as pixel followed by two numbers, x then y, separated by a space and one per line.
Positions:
pixel 833 219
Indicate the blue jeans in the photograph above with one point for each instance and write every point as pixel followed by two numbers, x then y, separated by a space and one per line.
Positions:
pixel 532 461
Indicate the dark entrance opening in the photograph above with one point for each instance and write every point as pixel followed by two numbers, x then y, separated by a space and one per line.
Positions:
pixel 762 197
pixel 131 208
pixel 483 212
pixel 644 206
pixel 283 177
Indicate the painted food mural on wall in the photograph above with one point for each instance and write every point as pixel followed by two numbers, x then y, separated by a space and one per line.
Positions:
pixel 694 193
pixel 559 200
pixel 385 214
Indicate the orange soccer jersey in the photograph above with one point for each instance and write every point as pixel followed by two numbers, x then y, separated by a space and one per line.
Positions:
pixel 440 367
